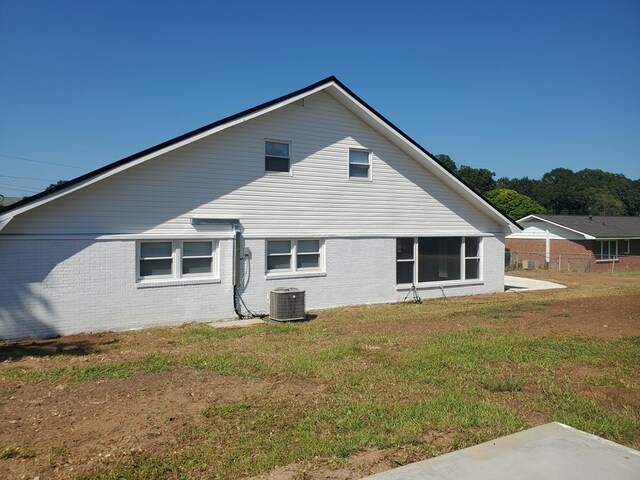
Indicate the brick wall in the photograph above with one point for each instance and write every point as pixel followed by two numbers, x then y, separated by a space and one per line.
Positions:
pixel 575 255
pixel 60 287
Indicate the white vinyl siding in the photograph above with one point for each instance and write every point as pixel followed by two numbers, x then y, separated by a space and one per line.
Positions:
pixel 222 176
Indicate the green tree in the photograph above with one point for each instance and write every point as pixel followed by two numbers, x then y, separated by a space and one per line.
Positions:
pixel 605 203
pixel 480 179
pixel 447 162
pixel 59 182
pixel 563 192
pixel 514 204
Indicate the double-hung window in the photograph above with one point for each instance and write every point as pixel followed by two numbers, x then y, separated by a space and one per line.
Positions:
pixel 176 259
pixel 627 247
pixel 471 258
pixel 277 156
pixel 156 259
pixel 437 259
pixel 197 258
pixel 299 255
pixel 607 250
pixel 359 163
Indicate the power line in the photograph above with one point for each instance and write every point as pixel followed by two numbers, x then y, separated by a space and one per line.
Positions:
pixel 47 163
pixel 7 185
pixel 30 192
pixel 13 177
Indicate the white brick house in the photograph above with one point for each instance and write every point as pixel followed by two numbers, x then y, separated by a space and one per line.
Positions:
pixel 316 189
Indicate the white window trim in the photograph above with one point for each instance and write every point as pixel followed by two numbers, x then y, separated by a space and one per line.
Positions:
pixel 288 173
pixel 463 254
pixel 177 277
pixel 139 259
pixel 627 246
pixel 369 178
pixel 293 269
pixel 461 281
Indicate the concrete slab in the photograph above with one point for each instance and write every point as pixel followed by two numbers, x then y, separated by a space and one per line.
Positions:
pixel 549 451
pixel 520 284
pixel 248 322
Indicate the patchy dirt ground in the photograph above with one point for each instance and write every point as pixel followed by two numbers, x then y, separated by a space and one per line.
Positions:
pixel 74 426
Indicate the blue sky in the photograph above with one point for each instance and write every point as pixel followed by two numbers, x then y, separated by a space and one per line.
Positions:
pixel 518 87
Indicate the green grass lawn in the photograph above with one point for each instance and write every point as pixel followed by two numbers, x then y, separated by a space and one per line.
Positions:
pixel 464 377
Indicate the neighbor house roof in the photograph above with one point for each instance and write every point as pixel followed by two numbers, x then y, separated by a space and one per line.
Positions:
pixel 330 85
pixel 592 226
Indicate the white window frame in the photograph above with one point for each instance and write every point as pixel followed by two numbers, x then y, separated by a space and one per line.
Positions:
pixel 463 255
pixel 139 260
pixel 463 278
pixel 369 176
pixel 177 259
pixel 183 257
pixel 289 172
pixel 293 253
pixel 610 257
pixel 627 246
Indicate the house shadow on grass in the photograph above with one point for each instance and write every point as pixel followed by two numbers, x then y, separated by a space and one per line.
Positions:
pixel 50 348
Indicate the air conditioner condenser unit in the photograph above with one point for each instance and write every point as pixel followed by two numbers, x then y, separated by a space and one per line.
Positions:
pixel 286 304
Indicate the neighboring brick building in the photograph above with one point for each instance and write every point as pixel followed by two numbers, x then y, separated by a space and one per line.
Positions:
pixel 576 242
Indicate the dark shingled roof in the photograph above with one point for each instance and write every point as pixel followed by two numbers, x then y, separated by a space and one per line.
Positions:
pixel 599 227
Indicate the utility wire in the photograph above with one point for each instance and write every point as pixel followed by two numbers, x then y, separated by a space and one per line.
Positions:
pixel 31 192
pixel 13 177
pixel 29 187
pixel 46 163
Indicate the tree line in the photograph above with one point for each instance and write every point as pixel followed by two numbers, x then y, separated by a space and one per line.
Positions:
pixel 559 191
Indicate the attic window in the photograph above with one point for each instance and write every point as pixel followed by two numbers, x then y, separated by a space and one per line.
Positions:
pixel 359 164
pixel 277 156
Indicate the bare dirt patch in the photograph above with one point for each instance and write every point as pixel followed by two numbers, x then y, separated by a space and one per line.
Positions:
pixel 75 426
pixel 107 419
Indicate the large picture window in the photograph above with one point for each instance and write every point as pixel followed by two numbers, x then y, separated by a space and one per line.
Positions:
pixel 294 255
pixel 437 259
pixel 176 259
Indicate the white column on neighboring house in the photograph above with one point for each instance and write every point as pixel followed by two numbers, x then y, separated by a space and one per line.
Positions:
pixel 547 249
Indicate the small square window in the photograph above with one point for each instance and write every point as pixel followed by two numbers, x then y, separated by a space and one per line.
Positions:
pixel 277 157
pixel 359 164
pixel 197 258
pixel 308 254
pixel 279 255
pixel 156 259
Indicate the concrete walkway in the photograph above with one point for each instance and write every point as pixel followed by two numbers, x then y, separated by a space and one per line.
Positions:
pixel 520 284
pixel 551 451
